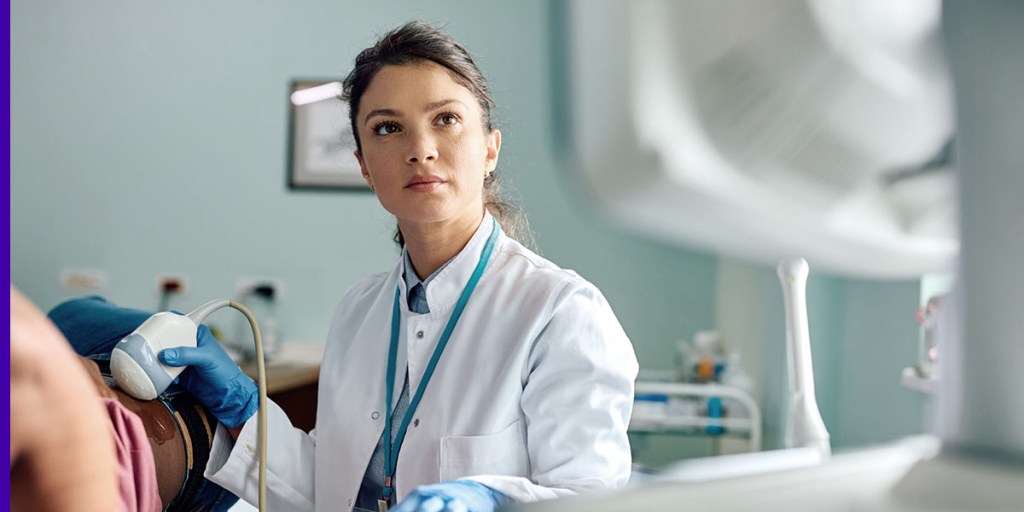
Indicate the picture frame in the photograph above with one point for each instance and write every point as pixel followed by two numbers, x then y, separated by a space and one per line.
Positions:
pixel 321 143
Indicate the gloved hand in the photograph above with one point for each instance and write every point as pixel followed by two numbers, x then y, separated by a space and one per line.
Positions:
pixel 214 379
pixel 453 496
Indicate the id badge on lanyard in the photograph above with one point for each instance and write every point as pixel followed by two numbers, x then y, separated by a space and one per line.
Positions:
pixel 391 448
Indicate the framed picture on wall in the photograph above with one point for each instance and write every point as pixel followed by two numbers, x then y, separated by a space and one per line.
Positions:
pixel 321 141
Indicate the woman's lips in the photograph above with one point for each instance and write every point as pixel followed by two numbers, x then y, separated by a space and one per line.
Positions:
pixel 424 183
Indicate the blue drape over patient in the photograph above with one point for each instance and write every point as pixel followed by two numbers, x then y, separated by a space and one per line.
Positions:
pixel 94 325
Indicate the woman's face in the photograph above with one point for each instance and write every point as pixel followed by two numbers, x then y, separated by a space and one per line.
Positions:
pixel 425 151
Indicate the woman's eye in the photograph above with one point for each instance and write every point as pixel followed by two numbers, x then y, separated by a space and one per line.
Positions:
pixel 385 128
pixel 446 119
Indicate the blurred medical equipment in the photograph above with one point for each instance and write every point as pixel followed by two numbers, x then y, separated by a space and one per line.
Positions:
pixel 976 462
pixel 766 129
pixel 708 394
pixel 927 317
pixel 688 409
pixel 804 426
pixel 135 366
pixel 806 438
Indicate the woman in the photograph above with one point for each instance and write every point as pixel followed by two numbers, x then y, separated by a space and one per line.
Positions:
pixel 497 375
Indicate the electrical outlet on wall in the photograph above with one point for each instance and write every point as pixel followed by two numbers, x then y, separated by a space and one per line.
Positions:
pixel 171 284
pixel 266 287
pixel 83 279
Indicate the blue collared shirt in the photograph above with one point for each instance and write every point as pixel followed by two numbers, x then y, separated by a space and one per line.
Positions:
pixel 418 301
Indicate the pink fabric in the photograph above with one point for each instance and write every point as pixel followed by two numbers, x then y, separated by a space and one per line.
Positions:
pixel 136 469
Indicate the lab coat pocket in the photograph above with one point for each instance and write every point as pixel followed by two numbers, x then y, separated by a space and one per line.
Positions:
pixel 503 453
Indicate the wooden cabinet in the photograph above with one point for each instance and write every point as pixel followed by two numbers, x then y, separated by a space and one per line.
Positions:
pixel 293 387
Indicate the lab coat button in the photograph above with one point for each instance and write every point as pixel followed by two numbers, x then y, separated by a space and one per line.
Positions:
pixel 350 502
pixel 375 415
pixel 419 335
pixel 251 448
pixel 416 422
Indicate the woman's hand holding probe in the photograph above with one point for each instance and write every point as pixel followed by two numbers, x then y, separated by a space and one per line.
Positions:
pixel 215 379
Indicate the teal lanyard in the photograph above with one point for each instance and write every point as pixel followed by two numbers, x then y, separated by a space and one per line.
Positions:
pixel 391 449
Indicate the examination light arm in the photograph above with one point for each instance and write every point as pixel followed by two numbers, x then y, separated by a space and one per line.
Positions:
pixel 804 426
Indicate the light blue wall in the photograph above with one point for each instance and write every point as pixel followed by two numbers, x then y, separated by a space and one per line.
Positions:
pixel 149 138
pixel 880 338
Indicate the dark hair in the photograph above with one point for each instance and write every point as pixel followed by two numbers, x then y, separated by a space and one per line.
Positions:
pixel 414 42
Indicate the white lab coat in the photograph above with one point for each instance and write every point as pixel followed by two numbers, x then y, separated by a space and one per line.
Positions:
pixel 532 395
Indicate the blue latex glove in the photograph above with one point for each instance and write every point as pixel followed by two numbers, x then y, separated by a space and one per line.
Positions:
pixel 214 379
pixel 452 496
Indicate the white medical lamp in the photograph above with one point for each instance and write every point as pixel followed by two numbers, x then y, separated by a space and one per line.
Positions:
pixel 767 129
